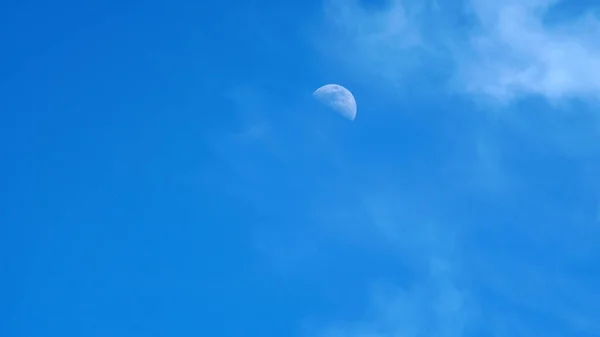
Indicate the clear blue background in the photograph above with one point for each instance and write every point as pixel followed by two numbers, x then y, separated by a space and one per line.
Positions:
pixel 165 172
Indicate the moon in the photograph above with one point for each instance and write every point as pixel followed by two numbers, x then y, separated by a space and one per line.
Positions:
pixel 338 98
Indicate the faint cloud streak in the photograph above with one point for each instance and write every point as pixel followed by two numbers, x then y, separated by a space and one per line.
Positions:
pixel 501 50
pixel 517 262
pixel 513 51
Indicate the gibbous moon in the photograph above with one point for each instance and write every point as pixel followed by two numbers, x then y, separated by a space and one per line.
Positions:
pixel 338 98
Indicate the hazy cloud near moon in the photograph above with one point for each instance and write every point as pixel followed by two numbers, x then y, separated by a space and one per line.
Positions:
pixel 510 49
pixel 517 241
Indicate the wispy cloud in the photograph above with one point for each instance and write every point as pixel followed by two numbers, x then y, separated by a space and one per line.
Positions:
pixel 513 266
pixel 432 307
pixel 501 49
pixel 375 42
pixel 517 267
pixel 515 50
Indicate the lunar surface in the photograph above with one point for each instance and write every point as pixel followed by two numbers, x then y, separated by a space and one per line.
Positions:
pixel 338 98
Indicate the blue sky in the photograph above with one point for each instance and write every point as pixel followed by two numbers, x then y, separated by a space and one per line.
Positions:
pixel 166 172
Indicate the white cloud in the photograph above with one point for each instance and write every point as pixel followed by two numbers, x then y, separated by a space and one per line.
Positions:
pixel 436 299
pixel 508 50
pixel 514 51
pixel 433 307
pixel 512 264
pixel 508 270
pixel 500 49
pixel 372 41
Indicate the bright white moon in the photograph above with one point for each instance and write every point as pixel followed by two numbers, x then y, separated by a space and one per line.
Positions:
pixel 338 98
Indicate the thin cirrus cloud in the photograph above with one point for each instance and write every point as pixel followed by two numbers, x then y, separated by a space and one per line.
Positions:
pixel 501 49
pixel 514 266
pixel 515 50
